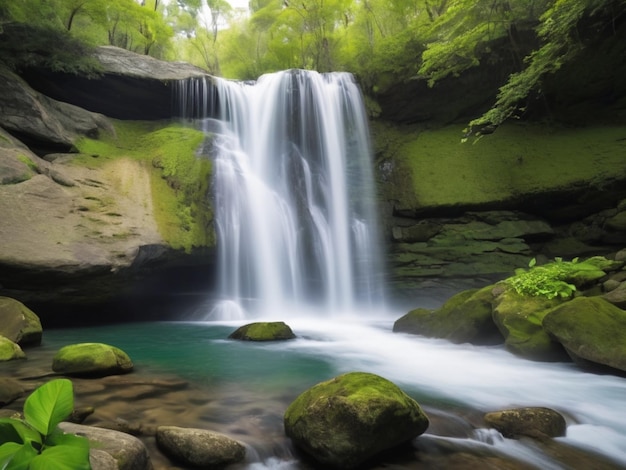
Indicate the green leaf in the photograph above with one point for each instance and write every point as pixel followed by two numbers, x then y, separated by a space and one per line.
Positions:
pixel 22 458
pixel 62 457
pixel 532 262
pixel 15 430
pixel 48 405
pixel 59 438
pixel 7 451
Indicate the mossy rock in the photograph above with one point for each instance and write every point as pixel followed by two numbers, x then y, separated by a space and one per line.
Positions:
pixel 464 318
pixel 531 422
pixel 19 323
pixel 10 350
pixel 91 359
pixel 591 329
pixel 263 331
pixel 519 319
pixel 349 419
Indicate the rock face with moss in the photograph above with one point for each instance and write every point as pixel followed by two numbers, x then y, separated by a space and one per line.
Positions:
pixel 263 331
pixel 347 420
pixel 91 359
pixel 464 318
pixel 592 331
pixel 532 422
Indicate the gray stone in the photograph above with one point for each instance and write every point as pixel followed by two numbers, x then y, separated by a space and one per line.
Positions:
pixel 199 447
pixel 19 323
pixel 532 422
pixel 128 451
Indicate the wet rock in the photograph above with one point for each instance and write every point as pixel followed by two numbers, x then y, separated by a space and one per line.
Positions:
pixel 10 350
pixel 532 422
pixel 199 447
pixel 347 420
pixel 91 359
pixel 263 331
pixel 465 318
pixel 519 319
pixel 19 323
pixel 128 451
pixel 10 390
pixel 617 295
pixel 591 329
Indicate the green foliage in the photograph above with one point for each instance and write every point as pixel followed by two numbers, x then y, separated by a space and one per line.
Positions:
pixel 36 442
pixel 556 279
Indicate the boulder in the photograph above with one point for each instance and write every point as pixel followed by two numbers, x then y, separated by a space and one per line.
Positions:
pixel 19 323
pixel 263 331
pixel 532 422
pixel 10 389
pixel 9 350
pixel 617 295
pixel 199 447
pixel 591 329
pixel 465 318
pixel 91 359
pixel 128 451
pixel 44 123
pixel 519 319
pixel 347 420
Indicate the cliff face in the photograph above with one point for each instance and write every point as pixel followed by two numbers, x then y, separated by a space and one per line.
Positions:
pixel 83 229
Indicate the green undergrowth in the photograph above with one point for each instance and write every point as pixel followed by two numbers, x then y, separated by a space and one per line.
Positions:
pixel 179 177
pixel 516 159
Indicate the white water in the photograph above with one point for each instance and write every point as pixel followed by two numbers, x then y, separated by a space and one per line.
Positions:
pixel 294 195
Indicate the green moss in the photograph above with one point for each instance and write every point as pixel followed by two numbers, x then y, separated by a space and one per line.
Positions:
pixel 91 358
pixel 179 178
pixel 9 350
pixel 263 331
pixel 518 159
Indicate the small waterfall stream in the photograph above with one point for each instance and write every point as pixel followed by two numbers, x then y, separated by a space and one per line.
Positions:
pixel 294 194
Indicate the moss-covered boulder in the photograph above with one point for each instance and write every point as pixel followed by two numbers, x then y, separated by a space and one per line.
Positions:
pixel 345 421
pixel 465 318
pixel 519 319
pixel 19 323
pixel 591 330
pixel 91 359
pixel 10 350
pixel 263 331
pixel 199 447
pixel 531 422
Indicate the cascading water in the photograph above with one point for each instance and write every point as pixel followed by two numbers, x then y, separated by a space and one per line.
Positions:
pixel 294 193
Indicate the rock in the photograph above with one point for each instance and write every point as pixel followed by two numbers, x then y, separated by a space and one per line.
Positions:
pixel 199 447
pixel 132 86
pixel 42 122
pixel 9 350
pixel 519 319
pixel 19 323
pixel 128 451
pixel 263 331
pixel 591 329
pixel 91 359
pixel 465 318
pixel 617 222
pixel 617 295
pixel 531 422
pixel 345 421
pixel 10 389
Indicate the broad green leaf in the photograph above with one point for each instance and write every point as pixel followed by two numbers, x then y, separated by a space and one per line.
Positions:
pixel 7 451
pixel 48 405
pixel 62 457
pixel 15 430
pixel 22 458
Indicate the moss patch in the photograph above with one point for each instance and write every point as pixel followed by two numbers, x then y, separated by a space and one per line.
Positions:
pixel 518 159
pixel 179 178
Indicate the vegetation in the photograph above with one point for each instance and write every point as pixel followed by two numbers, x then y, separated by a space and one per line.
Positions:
pixel 381 41
pixel 556 279
pixel 36 442
pixel 180 178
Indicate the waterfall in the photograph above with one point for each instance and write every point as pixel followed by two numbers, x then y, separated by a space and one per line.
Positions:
pixel 294 194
